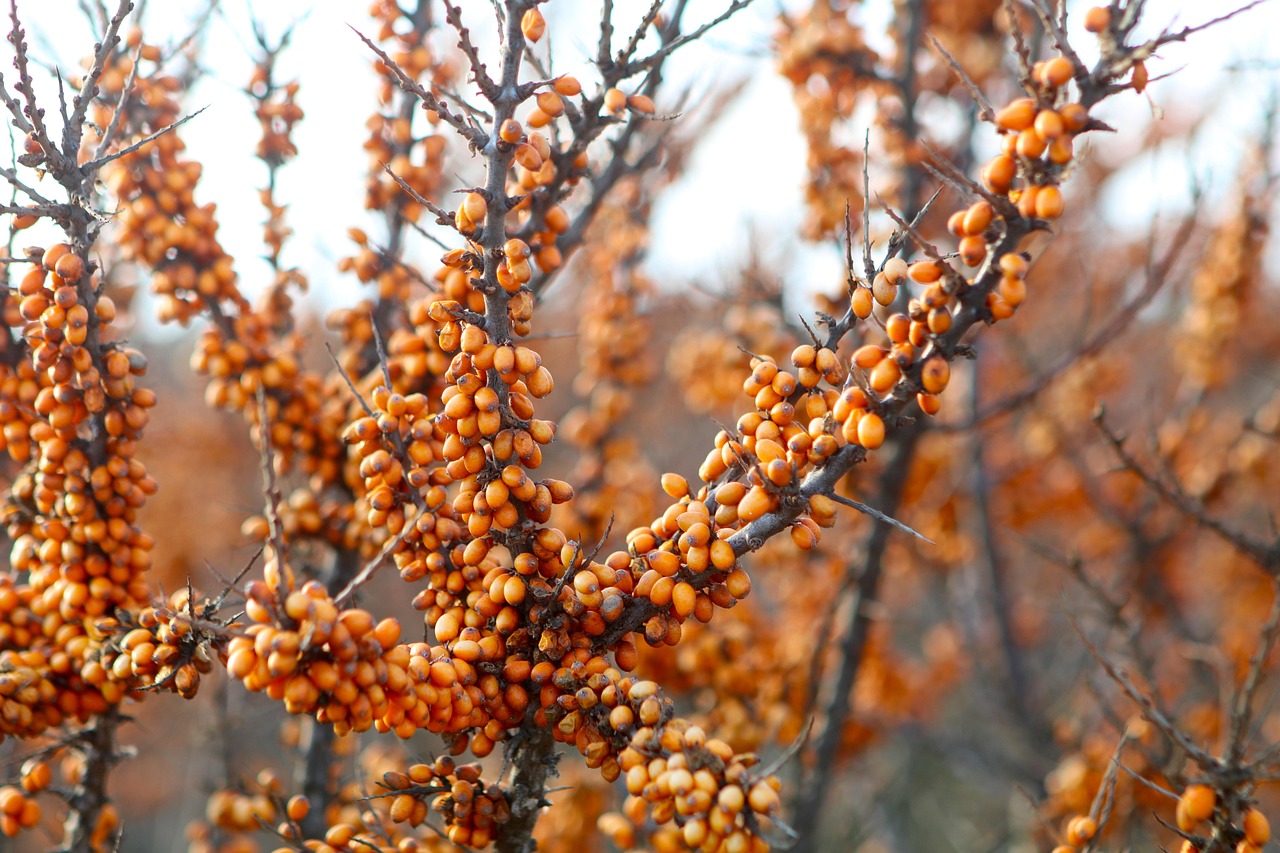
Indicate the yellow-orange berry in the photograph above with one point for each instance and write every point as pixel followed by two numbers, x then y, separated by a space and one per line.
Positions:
pixel 999 173
pixel 1074 117
pixel 1049 125
pixel 1195 805
pixel 53 254
pixel 567 86
pixel 885 375
pixel 1256 827
pixel 675 485
pixel 298 807
pixel 804 536
pixel 1081 829
pixel 1018 115
pixel 1140 77
pixel 861 303
pixel 615 100
pixel 868 356
pixel 925 272
pixel 69 267
pixel 871 431
pixel 935 373
pixel 1061 151
pixel 1013 290
pixel 973 250
pixel 977 218
pixel 1056 72
pixel 1031 144
pixel 511 132
pixel 1097 19
pixel 641 104
pixel 533 25
pixel 1049 204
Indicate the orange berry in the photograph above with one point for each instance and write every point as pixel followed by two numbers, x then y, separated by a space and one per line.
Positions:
pixel 1026 200
pixel 803 536
pixel 683 599
pixel 882 290
pixel 1000 310
pixel 1013 290
pixel 1017 116
pixel 1074 117
pixel 935 374
pixel 895 271
pixel 973 250
pixel 53 254
pixel 11 800
pixel 551 104
pixel 755 504
pixel 69 267
pixel 738 583
pixel 861 303
pixel 475 207
pixel 1060 151
pixel 1031 144
pixel 36 776
pixel 675 485
pixel 511 132
pixel 999 173
pixel 1256 827
pixel 1140 77
pixel 1196 804
pixel 1049 204
pixel 939 320
pixel 538 117
pixel 925 272
pixel 897 327
pixel 1013 264
pixel 871 431
pixel 1080 830
pixel 615 100
pixel 977 218
pixel 885 375
pixel 528 157
pixel 868 356
pixel 533 25
pixel 1057 72
pixel 567 86
pixel 1049 124
pixel 298 807
pixel 641 104
pixel 1097 19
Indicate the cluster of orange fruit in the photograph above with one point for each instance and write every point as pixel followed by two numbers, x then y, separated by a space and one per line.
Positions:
pixel 433 461
pixel 706 364
pixel 71 513
pixel 825 43
pixel 1199 803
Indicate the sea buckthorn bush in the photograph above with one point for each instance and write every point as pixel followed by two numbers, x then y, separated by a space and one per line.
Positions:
pixel 744 578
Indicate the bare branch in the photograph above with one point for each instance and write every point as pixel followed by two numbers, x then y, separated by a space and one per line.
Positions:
pixel 475 137
pixel 93 165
